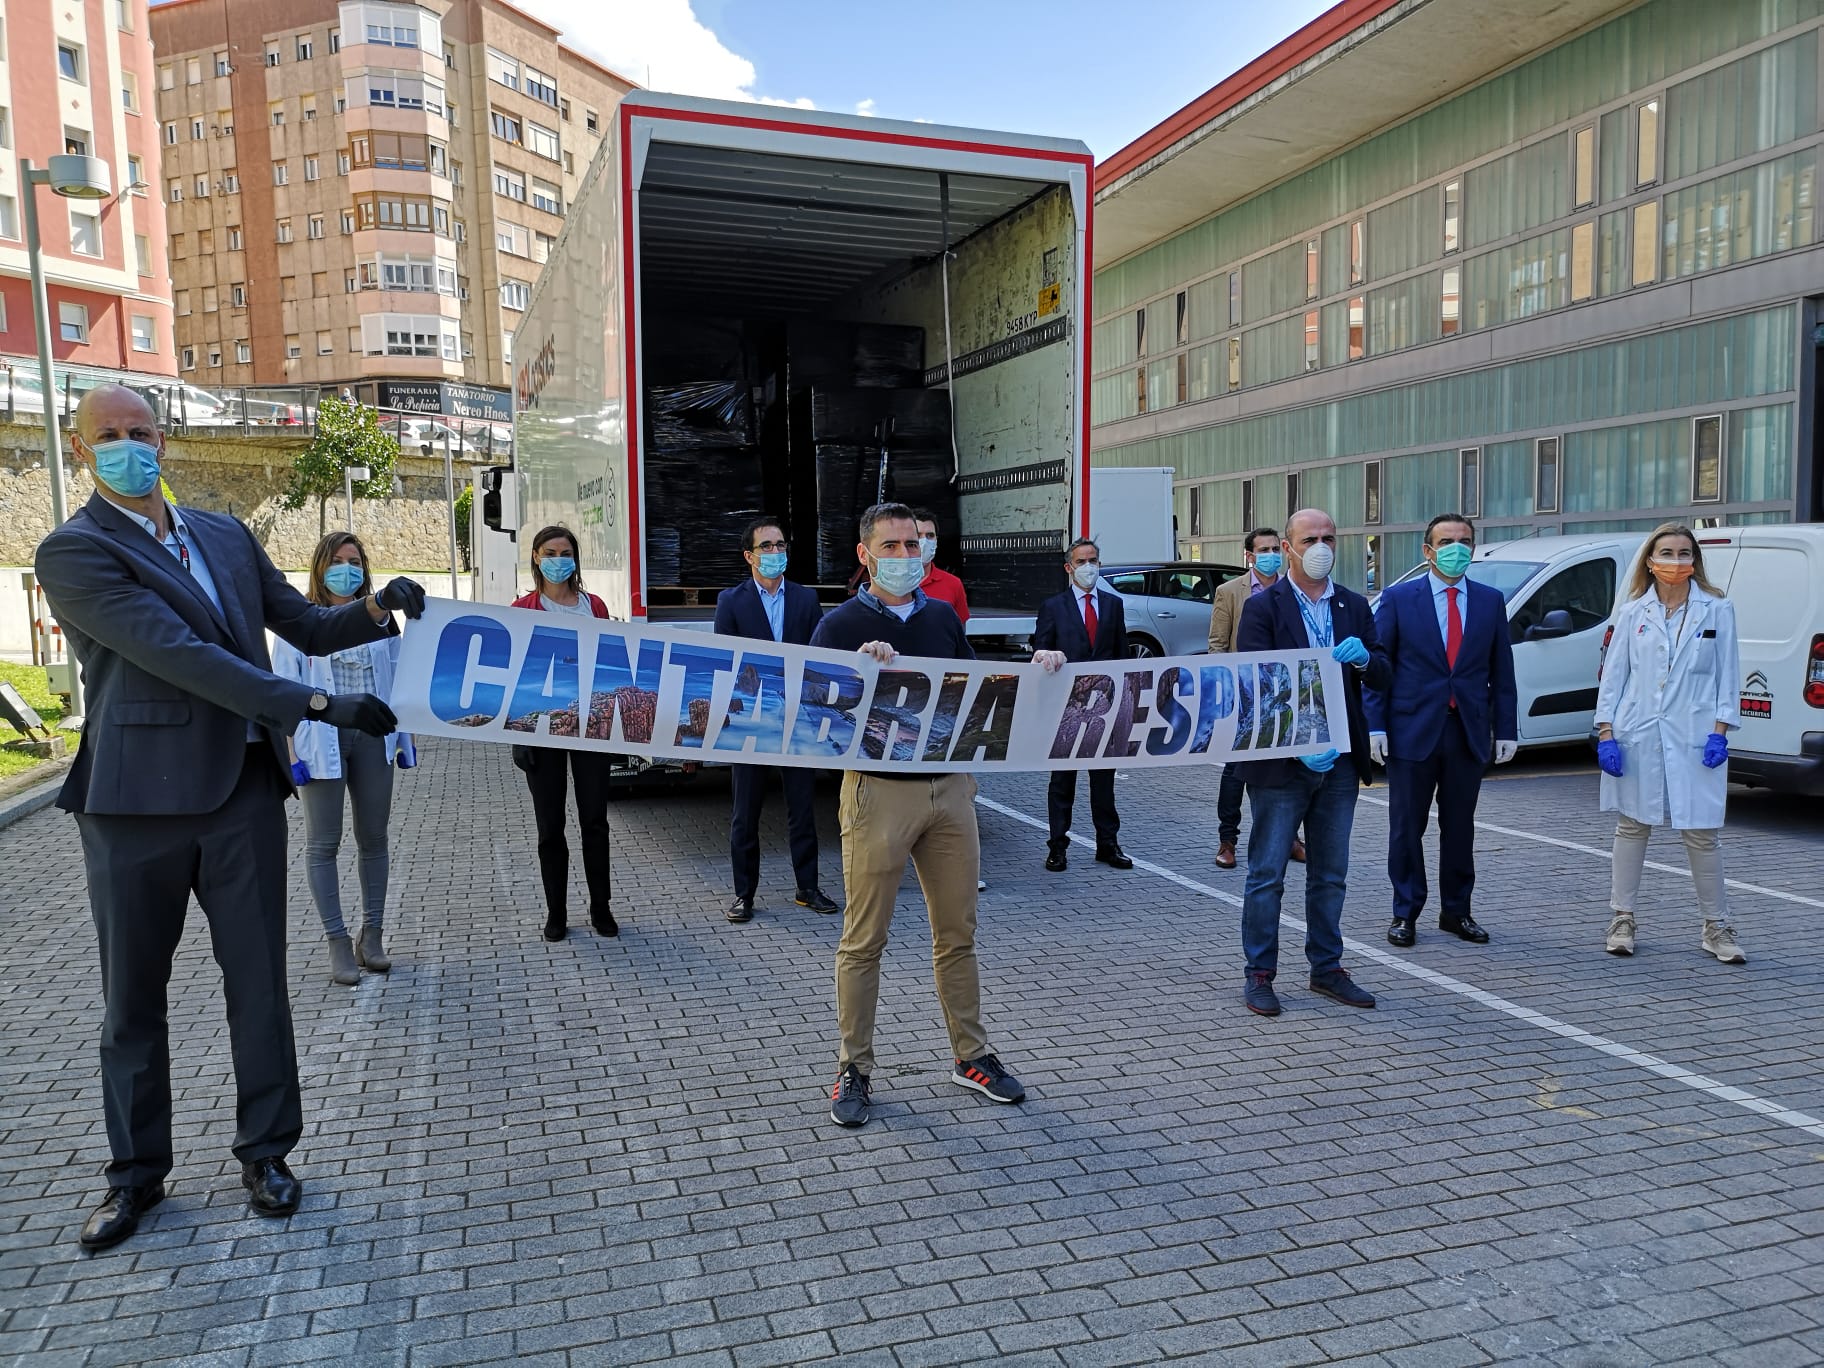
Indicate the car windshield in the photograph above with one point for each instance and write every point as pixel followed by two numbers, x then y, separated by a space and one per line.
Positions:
pixel 1504 575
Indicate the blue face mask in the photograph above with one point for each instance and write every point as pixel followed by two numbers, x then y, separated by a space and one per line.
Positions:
pixel 1269 562
pixel 344 578
pixel 772 563
pixel 897 574
pixel 127 466
pixel 557 569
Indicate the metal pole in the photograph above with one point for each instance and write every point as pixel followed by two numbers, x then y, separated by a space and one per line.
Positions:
pixel 348 494
pixel 29 181
pixel 449 494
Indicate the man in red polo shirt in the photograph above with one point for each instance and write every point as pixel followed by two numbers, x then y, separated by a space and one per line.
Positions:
pixel 938 584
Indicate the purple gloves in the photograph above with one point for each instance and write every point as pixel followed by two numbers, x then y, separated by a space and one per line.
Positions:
pixel 1608 755
pixel 1716 750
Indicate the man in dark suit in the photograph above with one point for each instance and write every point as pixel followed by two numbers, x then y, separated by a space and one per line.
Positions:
pixel 180 787
pixel 1307 610
pixel 1452 694
pixel 1083 623
pixel 768 607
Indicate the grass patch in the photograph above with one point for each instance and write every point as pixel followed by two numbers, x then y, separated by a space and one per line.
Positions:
pixel 30 681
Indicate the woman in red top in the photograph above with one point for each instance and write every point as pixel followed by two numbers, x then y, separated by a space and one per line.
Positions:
pixel 557 588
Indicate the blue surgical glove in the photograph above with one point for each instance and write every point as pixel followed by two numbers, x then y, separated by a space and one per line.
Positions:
pixel 1350 651
pixel 1322 761
pixel 300 773
pixel 1716 750
pixel 1608 755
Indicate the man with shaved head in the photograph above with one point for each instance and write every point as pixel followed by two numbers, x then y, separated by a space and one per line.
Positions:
pixel 1307 610
pixel 180 787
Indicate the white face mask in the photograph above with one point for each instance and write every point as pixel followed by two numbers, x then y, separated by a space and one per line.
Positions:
pixel 927 549
pixel 1085 575
pixel 1318 560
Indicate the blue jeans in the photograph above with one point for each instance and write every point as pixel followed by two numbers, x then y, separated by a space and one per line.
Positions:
pixel 1325 803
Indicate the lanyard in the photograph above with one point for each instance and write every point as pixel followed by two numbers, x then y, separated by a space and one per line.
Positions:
pixel 1320 636
pixel 183 552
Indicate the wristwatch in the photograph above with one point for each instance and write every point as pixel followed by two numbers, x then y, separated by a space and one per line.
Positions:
pixel 319 703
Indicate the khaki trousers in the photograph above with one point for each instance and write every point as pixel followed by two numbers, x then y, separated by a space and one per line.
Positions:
pixel 885 821
pixel 1702 852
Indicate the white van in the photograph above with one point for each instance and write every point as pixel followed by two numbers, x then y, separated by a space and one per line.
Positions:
pixel 1560 592
pixel 1775 577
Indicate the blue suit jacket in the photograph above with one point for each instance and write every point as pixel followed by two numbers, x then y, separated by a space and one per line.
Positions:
pixel 171 682
pixel 1270 621
pixel 1414 707
pixel 1060 627
pixel 739 612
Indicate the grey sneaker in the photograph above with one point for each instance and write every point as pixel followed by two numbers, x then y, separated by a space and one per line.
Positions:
pixel 1621 934
pixel 342 968
pixel 1719 940
pixel 850 1104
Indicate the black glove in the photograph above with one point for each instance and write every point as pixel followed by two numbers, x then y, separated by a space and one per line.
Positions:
pixel 362 712
pixel 402 595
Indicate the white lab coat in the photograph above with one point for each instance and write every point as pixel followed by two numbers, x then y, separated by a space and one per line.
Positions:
pixel 316 743
pixel 1663 700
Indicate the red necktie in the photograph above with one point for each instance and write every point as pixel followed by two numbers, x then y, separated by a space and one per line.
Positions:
pixel 1453 635
pixel 1089 618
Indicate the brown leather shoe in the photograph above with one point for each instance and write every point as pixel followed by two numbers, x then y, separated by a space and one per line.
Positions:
pixel 1225 855
pixel 1298 851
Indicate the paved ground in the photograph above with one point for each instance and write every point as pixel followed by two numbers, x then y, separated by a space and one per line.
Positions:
pixel 618 1151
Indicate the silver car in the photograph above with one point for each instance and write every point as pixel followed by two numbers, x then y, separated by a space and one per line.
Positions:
pixel 1168 606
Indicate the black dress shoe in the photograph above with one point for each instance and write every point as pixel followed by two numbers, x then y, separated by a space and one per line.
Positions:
pixel 118 1216
pixel 1055 862
pixel 1115 857
pixel 556 928
pixel 1401 933
pixel 603 922
pixel 1466 929
pixel 271 1188
pixel 817 900
pixel 740 910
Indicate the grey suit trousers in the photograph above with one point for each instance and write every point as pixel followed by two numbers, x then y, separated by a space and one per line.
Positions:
pixel 142 871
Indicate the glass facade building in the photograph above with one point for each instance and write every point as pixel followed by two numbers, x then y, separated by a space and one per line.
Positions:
pixel 1576 296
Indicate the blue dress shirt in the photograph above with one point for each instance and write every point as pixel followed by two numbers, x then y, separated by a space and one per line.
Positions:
pixel 773 600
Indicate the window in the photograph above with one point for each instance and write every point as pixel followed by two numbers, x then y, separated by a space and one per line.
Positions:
pixel 1371 500
pixel 503 69
pixel 312 170
pixel 144 338
pixel 348 220
pixel 1234 363
pixel 189 358
pixel 281 174
pixel 547 196
pixel 85 233
pixel 1194 507
pixel 129 91
pixel 1453 216
pixel 243 353
pixel 202 187
pixel 343 162
pixel 398 90
pixel 335 40
pixel 293 350
pixel 513 238
pixel 1234 299
pixel 1587 592
pixel 590 121
pixel 393 151
pixel 1184 376
pixel 73 322
pixel 1450 303
pixel 306 50
pixel 349 283
pixel 1646 142
pixel 1545 476
pixel 211 299
pixel 167 77
pixel 272 54
pixel 237 296
pixel 409 335
pixel 174 190
pixel 449 56
pixel 1583 262
pixel 284 230
pixel 1247 503
pixel 277 112
pixel 1311 284
pixel 1357 338
pixel 542 141
pixel 76 141
pixel 177 244
pixel 231 181
pixel 510 184
pixel 541 87
pixel 215 357
pixel 563 108
pixel 308 112
pixel 1292 499
pixel 1469 482
pixel 142 254
pixel 1311 335
pixel 9 217
pixel 1646 242
pixel 542 246
pixel 170 135
pixel 181 301
pixel 205 242
pixel 1358 252
pixel 313 227
pixel 193 71
pixel 136 173
pixel 196 130
pixel 69 66
pixel 515 294
pixel 569 164
pixel 234 238
pixel 1139 332
pixel 1707 459
pixel 326 343
pixel 221 65
pixel 1583 167
pixel 6 127
pixel 504 126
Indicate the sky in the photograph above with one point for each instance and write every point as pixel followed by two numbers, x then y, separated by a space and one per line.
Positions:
pixel 1103 71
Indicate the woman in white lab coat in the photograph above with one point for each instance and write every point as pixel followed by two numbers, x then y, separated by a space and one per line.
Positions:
pixel 1663 717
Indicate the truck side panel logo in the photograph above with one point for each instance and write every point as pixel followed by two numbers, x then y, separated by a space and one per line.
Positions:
pixel 536 374
pixel 1757 698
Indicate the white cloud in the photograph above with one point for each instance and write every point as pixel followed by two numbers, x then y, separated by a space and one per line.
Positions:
pixel 865 108
pixel 659 43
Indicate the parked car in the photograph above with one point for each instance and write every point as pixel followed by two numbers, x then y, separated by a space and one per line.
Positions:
pixel 1560 592
pixel 1775 577
pixel 1168 606
pixel 259 412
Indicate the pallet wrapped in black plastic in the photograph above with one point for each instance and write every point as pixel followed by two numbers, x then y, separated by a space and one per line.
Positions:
pixel 699 414
pixel 822 353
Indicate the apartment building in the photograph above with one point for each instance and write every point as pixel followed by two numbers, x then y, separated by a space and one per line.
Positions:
pixel 364 191
pixel 77 78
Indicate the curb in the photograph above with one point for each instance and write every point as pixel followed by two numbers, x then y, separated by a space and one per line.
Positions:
pixel 35 799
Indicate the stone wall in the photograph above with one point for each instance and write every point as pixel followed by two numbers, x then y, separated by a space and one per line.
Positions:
pixel 243 476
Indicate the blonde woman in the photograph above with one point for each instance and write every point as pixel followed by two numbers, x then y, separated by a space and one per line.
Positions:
pixel 330 763
pixel 1663 717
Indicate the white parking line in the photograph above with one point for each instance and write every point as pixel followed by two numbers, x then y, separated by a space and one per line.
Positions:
pixel 1674 1073
pixel 1601 854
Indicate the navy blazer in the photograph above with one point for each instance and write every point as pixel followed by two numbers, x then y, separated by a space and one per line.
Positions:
pixel 739 612
pixel 1270 621
pixel 1060 627
pixel 1416 704
pixel 172 682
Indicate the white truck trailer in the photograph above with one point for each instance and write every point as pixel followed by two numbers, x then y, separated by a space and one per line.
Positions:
pixel 758 309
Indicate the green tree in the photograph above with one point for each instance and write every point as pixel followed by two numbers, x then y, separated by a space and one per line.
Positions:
pixel 348 434
pixel 465 504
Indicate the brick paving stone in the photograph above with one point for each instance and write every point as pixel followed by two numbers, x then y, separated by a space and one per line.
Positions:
pixel 618 1151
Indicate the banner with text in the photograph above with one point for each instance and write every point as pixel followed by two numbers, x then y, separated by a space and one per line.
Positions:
pixel 668 693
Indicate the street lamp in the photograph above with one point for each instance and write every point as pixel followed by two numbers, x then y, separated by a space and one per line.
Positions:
pixel 73 178
pixel 349 475
pixel 449 498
